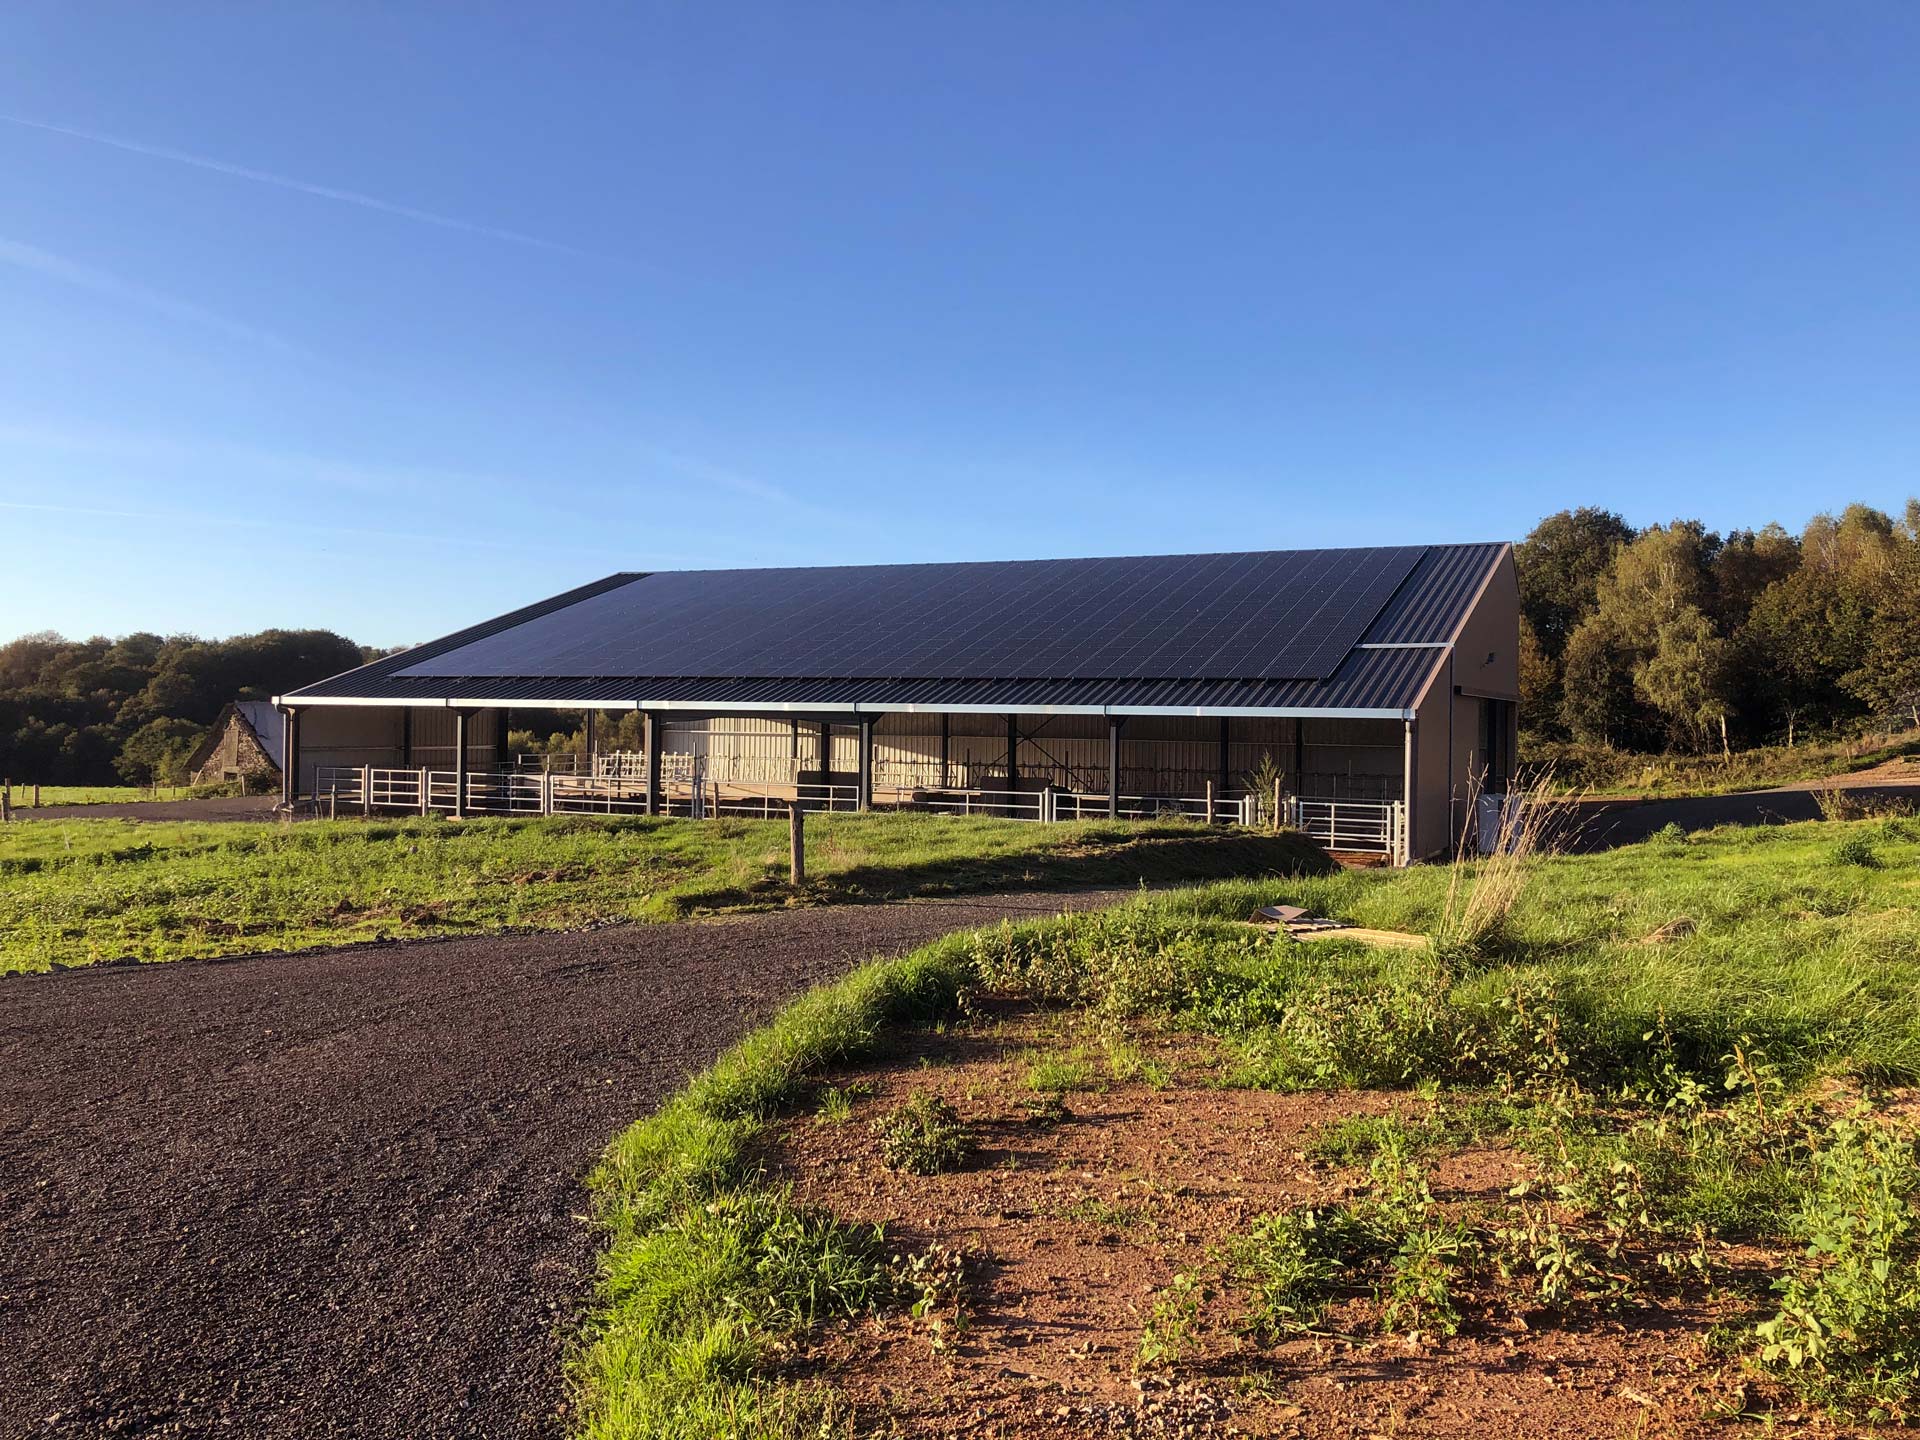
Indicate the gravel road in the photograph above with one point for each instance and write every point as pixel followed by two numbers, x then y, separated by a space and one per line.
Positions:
pixel 1604 824
pixel 232 807
pixel 338 1193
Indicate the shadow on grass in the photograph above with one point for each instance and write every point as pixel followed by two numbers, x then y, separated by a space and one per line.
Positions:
pixel 1147 859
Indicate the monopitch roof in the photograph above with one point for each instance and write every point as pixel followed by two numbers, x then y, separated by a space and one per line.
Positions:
pixel 1279 631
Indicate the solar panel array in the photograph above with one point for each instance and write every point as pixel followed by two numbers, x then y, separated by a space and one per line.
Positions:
pixel 1281 615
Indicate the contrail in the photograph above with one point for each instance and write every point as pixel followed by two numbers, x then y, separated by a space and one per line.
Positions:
pixel 58 267
pixel 304 187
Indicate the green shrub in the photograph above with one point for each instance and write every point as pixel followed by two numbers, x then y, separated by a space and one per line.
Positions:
pixel 1384 1024
pixel 925 1136
pixel 1856 850
pixel 1537 1248
pixel 1421 1277
pixel 1289 1263
pixel 1172 1321
pixel 1847 1333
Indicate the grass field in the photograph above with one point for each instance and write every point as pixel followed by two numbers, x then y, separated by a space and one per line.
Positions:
pixel 1673 1046
pixel 74 892
pixel 97 794
pixel 1602 772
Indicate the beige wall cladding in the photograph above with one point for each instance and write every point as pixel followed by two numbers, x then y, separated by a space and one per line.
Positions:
pixel 354 735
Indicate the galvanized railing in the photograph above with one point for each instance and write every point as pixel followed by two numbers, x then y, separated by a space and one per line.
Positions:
pixel 1210 809
pixel 1359 827
pixel 1353 826
pixel 364 789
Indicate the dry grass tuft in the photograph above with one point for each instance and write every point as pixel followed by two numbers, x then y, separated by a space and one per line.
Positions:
pixel 1482 890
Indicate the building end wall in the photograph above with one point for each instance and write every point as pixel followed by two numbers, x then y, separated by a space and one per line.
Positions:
pixel 1482 668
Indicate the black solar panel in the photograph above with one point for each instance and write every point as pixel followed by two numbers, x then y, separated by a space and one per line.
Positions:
pixel 1274 615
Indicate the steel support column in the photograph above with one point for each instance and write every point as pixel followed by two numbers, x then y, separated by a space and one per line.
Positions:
pixel 654 736
pixel 289 754
pixel 1226 757
pixel 589 728
pixel 459 764
pixel 946 750
pixel 866 762
pixel 406 738
pixel 1113 767
pixel 1406 797
pixel 1012 807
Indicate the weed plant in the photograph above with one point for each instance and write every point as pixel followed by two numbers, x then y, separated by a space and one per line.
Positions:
pixel 924 1136
pixel 1663 1093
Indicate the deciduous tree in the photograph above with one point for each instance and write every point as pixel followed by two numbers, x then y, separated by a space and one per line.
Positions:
pixel 1559 564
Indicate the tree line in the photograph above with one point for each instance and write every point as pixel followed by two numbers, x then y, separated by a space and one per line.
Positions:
pixel 1675 638
pixel 100 711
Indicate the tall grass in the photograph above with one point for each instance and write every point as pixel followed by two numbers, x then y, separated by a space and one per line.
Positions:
pixel 1822 958
pixel 1482 891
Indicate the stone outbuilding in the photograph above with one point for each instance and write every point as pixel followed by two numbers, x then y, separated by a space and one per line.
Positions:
pixel 243 745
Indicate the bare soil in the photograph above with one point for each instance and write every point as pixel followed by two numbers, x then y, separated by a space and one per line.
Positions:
pixel 1070 1227
pixel 338 1193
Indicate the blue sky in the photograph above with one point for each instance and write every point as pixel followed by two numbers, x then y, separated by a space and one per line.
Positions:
pixel 390 318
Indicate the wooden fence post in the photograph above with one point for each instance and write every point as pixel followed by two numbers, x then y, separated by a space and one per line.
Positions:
pixel 426 791
pixel 1209 802
pixel 36 797
pixel 797 843
pixel 1276 805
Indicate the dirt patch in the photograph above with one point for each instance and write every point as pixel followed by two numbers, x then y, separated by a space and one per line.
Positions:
pixel 1074 1227
pixel 338 1193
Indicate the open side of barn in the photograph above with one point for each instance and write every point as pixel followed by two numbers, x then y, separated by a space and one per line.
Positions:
pixel 1359 694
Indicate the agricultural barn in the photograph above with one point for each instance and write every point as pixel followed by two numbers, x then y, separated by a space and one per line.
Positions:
pixel 1362 692
pixel 244 744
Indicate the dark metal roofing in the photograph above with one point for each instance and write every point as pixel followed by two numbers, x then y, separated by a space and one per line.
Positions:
pixel 1434 599
pixel 368 678
pixel 1434 593
pixel 1273 615
pixel 1366 680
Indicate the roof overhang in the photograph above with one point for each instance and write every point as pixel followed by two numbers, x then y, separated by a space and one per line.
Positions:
pixel 857 708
